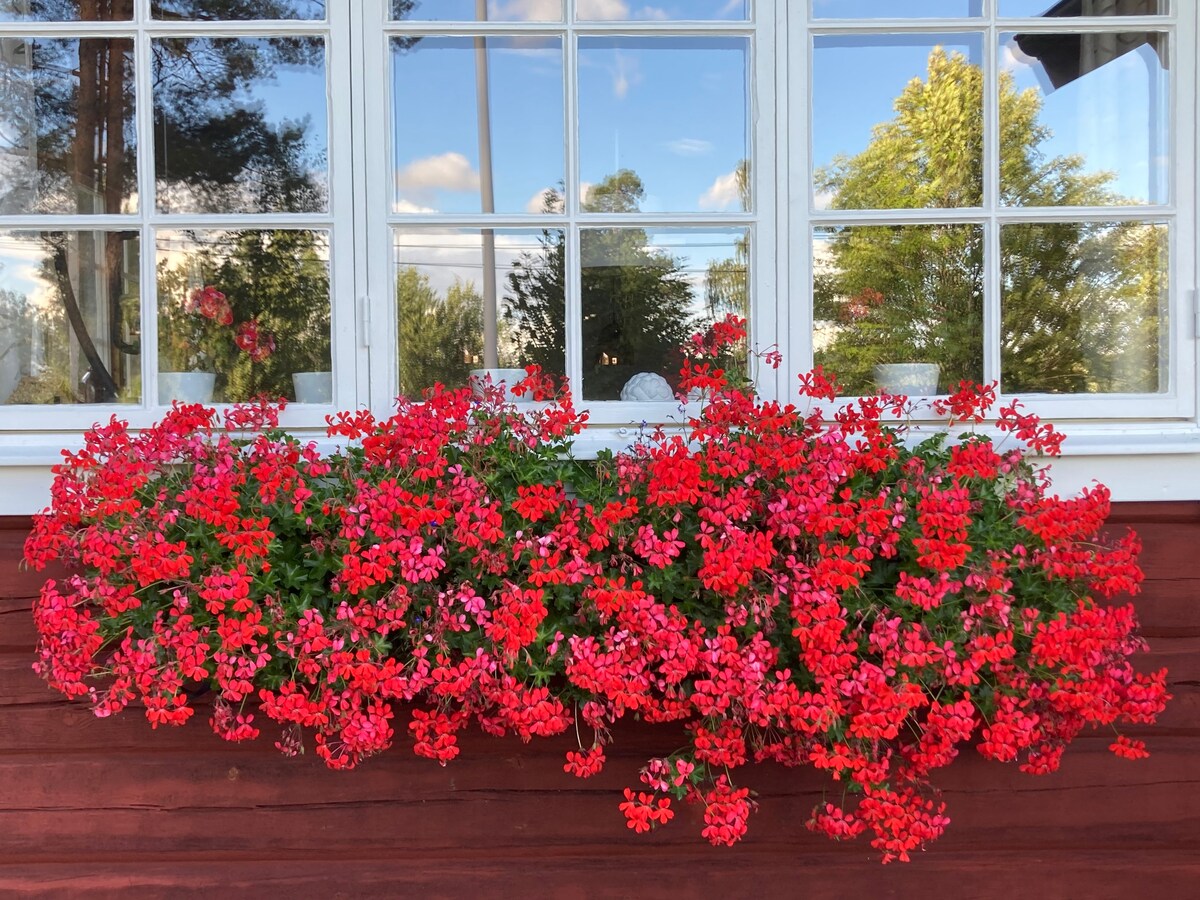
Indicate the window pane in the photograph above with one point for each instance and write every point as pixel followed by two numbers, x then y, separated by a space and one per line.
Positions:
pixel 663 10
pixel 1084 308
pixel 65 10
pixel 446 282
pixel 250 307
pixel 1084 119
pixel 890 9
pixel 671 114
pixel 70 327
pixel 897 121
pixel 899 296
pixel 440 165
pixel 240 125
pixel 645 293
pixel 67 138
pixel 230 10
pixel 468 10
pixel 1083 7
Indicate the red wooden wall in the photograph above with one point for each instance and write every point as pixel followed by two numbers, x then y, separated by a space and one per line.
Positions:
pixel 97 808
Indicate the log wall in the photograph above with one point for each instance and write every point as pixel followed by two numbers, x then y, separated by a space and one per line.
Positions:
pixel 109 808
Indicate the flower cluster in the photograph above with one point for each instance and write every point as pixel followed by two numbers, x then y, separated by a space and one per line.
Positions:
pixel 257 344
pixel 782 583
pixel 207 305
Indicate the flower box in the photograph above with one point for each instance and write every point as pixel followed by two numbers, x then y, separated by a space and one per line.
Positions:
pixel 776 584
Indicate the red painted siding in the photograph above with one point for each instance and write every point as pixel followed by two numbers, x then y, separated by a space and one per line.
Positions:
pixel 110 808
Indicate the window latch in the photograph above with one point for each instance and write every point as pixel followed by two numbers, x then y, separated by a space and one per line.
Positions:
pixel 364 317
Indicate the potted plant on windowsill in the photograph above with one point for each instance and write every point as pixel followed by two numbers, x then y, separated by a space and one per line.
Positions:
pixel 782 584
pixel 187 334
pixel 194 336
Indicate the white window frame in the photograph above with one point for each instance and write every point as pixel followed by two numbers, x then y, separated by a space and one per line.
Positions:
pixel 611 421
pixel 1111 438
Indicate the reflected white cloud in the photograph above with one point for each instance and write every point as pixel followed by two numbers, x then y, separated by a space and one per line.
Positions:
pixel 823 199
pixel 625 74
pixel 449 257
pixel 406 206
pixel 723 194
pixel 690 147
pixel 619 10
pixel 537 203
pixel 528 11
pixel 444 172
pixel 602 10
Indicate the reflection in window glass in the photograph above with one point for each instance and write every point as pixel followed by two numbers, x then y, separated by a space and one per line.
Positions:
pixel 890 9
pixel 1084 308
pixel 450 283
pixel 250 308
pixel 662 10
pixel 672 110
pixel 441 165
pixel 906 131
pixel 645 293
pixel 65 10
pixel 468 10
pixel 70 327
pixel 231 10
pixel 1084 119
pixel 1082 7
pixel 67 138
pixel 898 296
pixel 240 124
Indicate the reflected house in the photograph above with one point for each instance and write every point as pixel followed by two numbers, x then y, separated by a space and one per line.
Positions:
pixel 1066 57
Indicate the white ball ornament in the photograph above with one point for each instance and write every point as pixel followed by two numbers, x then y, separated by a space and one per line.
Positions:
pixel 647 387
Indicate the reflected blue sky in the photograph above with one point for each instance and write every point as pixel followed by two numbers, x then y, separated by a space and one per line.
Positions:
pixel 585 10
pixel 873 9
pixel 674 110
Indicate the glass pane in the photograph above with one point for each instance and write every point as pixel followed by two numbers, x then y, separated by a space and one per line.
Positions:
pixel 250 308
pixel 645 293
pixel 1084 308
pixel 1085 119
pixel 890 9
pixel 449 282
pixel 441 163
pixel 662 10
pixel 906 131
pixel 65 10
pixel 669 113
pixel 903 296
pixel 67 137
pixel 471 11
pixel 1083 7
pixel 230 10
pixel 240 124
pixel 70 326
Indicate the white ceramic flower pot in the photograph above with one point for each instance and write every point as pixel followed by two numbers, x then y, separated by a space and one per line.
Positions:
pixel 505 377
pixel 187 387
pixel 913 379
pixel 313 387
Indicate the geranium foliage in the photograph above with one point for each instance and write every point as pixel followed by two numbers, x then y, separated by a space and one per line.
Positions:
pixel 786 584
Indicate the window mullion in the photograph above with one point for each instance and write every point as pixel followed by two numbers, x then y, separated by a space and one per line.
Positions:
pixel 573 269
pixel 992 317
pixel 147 270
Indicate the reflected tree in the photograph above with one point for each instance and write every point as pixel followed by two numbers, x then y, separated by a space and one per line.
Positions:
pixel 440 336
pixel 637 303
pixel 1072 317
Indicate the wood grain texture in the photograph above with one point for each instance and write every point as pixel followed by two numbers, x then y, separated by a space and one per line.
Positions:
pixel 110 808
